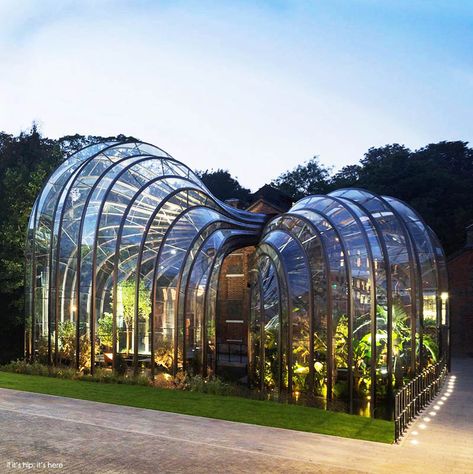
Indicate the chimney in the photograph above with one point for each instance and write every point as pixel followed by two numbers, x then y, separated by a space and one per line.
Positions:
pixel 234 202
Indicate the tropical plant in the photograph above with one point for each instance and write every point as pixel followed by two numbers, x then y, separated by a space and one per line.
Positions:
pixel 430 348
pixel 164 356
pixel 301 355
pixel 67 341
pixel 105 330
pixel 128 289
pixel 361 356
pixel 271 360
pixel 67 345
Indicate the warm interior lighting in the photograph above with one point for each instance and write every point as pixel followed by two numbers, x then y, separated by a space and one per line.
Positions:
pixel 444 298
pixel 422 426
pixel 170 273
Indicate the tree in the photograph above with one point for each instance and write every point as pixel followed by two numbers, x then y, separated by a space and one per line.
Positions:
pixel 347 177
pixel 387 166
pixel 25 163
pixel 70 144
pixel 309 178
pixel 223 186
pixel 128 289
pixel 436 180
pixel 105 330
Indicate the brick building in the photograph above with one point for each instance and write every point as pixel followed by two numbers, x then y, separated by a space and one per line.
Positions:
pixel 233 298
pixel 460 279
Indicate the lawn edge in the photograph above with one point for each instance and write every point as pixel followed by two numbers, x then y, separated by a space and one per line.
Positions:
pixel 165 410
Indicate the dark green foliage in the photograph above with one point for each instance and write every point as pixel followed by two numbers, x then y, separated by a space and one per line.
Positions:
pixel 310 178
pixel 437 181
pixel 26 161
pixel 71 143
pixel 222 185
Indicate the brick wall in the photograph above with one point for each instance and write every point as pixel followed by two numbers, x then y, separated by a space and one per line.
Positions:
pixel 233 297
pixel 460 279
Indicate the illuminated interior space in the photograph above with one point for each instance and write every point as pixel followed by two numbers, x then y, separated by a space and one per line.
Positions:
pixel 133 265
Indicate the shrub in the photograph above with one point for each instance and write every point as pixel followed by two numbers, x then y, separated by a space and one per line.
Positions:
pixel 121 366
pixel 182 381
pixel 23 367
pixel 163 380
pixel 212 385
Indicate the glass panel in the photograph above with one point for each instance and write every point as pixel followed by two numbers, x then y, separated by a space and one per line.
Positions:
pixel 430 300
pixel 311 244
pixel 271 324
pixel 338 291
pixel 255 328
pixel 403 300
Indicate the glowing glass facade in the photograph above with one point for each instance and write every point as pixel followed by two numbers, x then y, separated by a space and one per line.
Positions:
pixel 123 243
pixel 349 298
pixel 124 250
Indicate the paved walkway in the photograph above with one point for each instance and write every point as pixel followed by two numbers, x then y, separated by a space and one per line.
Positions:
pixel 445 429
pixel 81 436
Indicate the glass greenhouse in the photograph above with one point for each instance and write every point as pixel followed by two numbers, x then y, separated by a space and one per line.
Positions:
pixel 348 291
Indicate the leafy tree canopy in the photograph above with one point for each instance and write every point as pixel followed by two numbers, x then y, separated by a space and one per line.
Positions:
pixel 71 143
pixel 436 180
pixel 26 161
pixel 309 178
pixel 223 185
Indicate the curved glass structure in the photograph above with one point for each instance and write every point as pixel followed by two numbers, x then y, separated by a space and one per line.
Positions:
pixel 124 252
pixel 347 300
pixel 123 243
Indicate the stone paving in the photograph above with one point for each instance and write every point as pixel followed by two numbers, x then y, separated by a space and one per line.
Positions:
pixel 79 436
pixel 444 431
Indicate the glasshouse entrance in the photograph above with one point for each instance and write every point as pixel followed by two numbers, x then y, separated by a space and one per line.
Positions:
pixel 132 264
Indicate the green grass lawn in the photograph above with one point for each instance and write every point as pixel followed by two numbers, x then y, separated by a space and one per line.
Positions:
pixel 212 406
